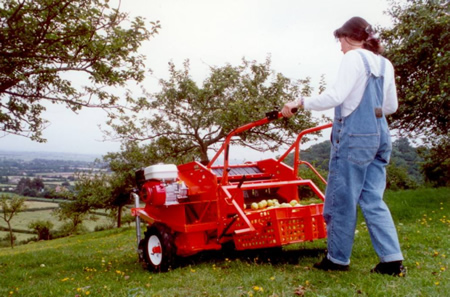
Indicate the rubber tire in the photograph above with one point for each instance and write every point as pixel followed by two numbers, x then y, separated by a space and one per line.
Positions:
pixel 159 235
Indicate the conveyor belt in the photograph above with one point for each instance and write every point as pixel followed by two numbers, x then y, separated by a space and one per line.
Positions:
pixel 235 171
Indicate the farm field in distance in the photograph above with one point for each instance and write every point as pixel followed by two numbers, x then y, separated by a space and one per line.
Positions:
pixel 58 174
pixel 40 211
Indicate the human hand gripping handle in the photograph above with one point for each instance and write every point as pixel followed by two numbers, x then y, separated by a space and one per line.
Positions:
pixel 290 108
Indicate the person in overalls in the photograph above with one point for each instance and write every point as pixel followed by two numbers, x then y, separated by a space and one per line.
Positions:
pixel 363 94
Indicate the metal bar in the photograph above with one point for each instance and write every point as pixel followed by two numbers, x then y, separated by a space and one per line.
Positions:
pixel 254 186
pixel 239 210
pixel 314 170
pixel 227 141
pixel 138 219
pixel 299 137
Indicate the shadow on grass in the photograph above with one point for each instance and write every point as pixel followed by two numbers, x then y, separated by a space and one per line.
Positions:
pixel 274 256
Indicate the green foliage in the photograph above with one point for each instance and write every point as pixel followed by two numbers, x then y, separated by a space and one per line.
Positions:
pixel 10 207
pixel 397 178
pixel 42 228
pixel 98 191
pixel 6 240
pixel 92 191
pixel 318 155
pixel 436 166
pixel 65 52
pixel 106 264
pixel 128 219
pixel 408 158
pixel 123 164
pixel 30 187
pixel 183 121
pixel 418 44
pixel 403 172
pixel 306 173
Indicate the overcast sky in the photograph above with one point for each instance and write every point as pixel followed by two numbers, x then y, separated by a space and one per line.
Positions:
pixel 298 34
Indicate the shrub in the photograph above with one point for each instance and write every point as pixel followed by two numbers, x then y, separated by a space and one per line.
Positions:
pixel 397 178
pixel 42 228
pixel 128 219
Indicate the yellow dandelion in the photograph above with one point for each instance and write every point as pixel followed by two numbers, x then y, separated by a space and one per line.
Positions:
pixel 307 282
pixel 436 283
pixel 272 278
pixel 87 292
pixel 442 268
pixel 258 289
pixel 65 279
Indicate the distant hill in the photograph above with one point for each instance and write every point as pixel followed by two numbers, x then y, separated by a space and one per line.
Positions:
pixel 403 156
pixel 28 156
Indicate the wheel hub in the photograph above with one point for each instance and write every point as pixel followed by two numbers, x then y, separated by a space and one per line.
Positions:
pixel 154 250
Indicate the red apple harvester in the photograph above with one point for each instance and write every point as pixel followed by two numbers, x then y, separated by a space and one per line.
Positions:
pixel 191 207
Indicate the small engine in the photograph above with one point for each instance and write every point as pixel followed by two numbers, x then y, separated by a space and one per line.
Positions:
pixel 159 185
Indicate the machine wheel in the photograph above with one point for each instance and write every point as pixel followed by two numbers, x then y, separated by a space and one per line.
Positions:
pixel 159 248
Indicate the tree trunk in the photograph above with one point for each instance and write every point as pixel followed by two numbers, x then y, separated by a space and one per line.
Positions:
pixel 119 216
pixel 10 234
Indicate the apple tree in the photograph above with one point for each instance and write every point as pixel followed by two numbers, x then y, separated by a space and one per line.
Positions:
pixel 69 52
pixel 10 207
pixel 185 120
pixel 418 44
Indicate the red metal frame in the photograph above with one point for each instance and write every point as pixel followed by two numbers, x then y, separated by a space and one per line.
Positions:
pixel 215 211
pixel 296 146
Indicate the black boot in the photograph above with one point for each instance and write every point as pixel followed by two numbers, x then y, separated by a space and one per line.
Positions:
pixel 328 265
pixel 394 268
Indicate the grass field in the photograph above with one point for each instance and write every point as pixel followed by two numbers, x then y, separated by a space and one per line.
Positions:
pixel 105 263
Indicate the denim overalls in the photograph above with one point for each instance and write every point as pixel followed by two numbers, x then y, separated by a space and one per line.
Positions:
pixel 360 150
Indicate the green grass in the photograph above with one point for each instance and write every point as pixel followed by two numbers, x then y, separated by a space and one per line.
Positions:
pixel 105 263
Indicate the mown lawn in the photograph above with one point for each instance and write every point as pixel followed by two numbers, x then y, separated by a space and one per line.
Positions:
pixel 105 263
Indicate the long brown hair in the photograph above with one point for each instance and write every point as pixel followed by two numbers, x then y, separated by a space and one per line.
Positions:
pixel 359 29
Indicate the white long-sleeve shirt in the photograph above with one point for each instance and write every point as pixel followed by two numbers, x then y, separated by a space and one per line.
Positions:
pixel 351 82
